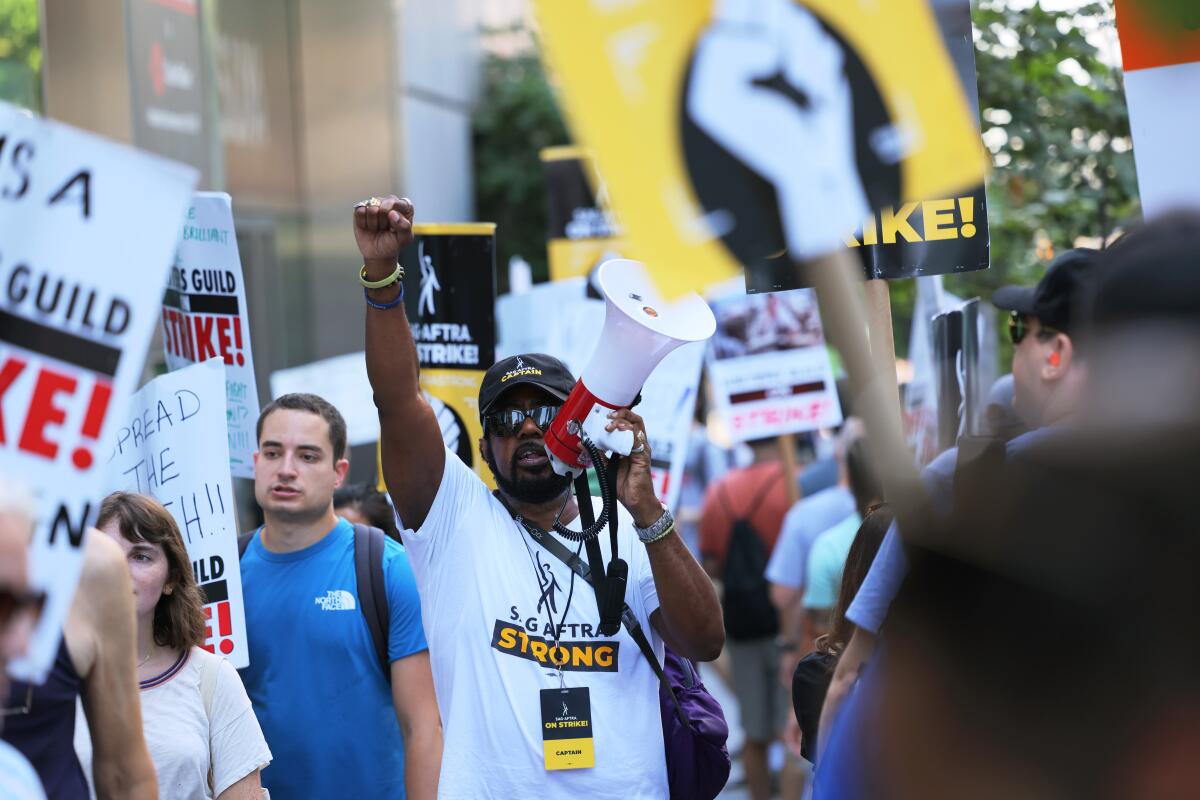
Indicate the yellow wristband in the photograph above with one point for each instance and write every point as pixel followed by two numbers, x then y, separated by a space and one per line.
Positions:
pixel 395 277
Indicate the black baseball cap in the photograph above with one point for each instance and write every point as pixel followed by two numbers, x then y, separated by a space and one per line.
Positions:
pixel 537 369
pixel 1055 296
pixel 1150 274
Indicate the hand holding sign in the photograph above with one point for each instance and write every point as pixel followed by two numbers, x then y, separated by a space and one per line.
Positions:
pixel 767 72
pixel 383 227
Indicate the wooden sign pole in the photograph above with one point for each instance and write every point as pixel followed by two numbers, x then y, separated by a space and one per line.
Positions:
pixel 879 332
pixel 872 371
pixel 787 457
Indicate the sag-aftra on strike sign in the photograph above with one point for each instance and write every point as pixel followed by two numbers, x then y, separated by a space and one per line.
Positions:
pixel 87 231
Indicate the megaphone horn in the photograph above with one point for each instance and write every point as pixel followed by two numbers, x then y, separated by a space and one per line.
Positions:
pixel 640 330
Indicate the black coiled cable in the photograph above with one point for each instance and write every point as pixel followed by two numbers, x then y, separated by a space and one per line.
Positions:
pixel 605 494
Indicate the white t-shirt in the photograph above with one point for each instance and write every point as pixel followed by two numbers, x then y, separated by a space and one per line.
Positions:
pixel 485 588
pixel 18 781
pixel 184 743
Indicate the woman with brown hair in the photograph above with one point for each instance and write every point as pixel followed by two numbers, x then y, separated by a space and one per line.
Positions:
pixel 201 730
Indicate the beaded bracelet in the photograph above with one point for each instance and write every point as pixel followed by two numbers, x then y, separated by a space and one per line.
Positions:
pixel 395 277
pixel 389 304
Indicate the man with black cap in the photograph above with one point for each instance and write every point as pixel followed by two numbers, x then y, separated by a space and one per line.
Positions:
pixel 513 636
pixel 1048 387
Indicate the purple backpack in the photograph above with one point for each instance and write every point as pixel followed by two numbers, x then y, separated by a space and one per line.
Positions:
pixel 694 732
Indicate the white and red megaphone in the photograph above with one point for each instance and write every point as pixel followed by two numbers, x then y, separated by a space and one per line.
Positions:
pixel 640 329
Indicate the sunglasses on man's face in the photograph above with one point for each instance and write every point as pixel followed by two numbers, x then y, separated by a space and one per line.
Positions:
pixel 13 604
pixel 1018 327
pixel 510 421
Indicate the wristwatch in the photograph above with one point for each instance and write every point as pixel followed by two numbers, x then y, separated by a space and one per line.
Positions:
pixel 659 530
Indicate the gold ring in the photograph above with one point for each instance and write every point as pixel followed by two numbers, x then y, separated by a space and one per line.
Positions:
pixel 374 201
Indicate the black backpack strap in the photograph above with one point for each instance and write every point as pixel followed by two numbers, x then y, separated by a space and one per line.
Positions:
pixel 244 542
pixel 372 591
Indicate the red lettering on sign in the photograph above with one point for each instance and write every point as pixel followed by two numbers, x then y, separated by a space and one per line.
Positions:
pixel 93 422
pixel 237 335
pixel 203 326
pixel 43 412
pixel 8 373
pixel 224 628
pixel 223 341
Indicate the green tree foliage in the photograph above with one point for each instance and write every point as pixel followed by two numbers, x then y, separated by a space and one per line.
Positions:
pixel 20 53
pixel 1055 122
pixel 517 118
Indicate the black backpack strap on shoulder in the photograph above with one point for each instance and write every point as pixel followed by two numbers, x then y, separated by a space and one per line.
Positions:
pixel 372 590
pixel 244 542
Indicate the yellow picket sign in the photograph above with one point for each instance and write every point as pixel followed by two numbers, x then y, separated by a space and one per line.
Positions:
pixel 734 131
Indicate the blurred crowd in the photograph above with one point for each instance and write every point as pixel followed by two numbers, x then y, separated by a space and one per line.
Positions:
pixel 1019 629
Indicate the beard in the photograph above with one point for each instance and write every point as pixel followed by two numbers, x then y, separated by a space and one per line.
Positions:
pixel 528 489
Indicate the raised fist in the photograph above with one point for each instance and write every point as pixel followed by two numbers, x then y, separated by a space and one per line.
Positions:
pixel 769 85
pixel 383 227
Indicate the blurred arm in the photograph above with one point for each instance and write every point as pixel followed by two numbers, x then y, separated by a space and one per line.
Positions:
pixel 860 648
pixel 103 632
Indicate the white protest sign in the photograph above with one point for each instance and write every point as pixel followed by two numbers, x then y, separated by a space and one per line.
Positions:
pixel 205 315
pixel 668 406
pixel 559 319
pixel 170 447
pixel 87 229
pixel 342 380
pixel 769 368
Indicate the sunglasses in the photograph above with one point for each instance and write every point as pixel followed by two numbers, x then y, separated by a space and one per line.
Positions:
pixel 1018 327
pixel 509 422
pixel 13 605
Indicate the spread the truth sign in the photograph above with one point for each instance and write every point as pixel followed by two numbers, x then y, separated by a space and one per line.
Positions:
pixel 204 316
pixel 87 229
pixel 703 114
pixel 170 446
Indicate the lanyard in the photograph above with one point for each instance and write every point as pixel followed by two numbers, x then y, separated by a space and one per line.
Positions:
pixel 540 572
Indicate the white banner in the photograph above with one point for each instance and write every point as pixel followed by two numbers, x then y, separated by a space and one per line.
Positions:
pixel 769 368
pixel 87 229
pixel 205 315
pixel 1160 52
pixel 342 380
pixel 171 448
pixel 560 320
pixel 668 406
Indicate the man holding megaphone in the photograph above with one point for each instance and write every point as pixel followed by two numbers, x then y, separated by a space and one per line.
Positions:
pixel 538 692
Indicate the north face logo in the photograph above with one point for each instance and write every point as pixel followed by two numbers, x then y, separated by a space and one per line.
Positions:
pixel 336 600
